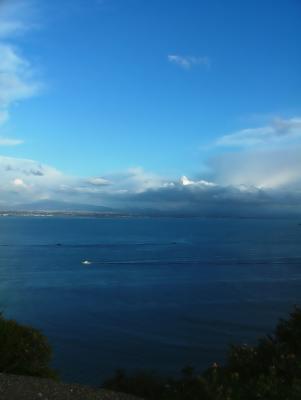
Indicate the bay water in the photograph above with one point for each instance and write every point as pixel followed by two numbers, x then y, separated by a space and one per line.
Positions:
pixel 156 293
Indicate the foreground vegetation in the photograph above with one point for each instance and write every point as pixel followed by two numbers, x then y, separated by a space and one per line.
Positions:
pixel 24 350
pixel 271 370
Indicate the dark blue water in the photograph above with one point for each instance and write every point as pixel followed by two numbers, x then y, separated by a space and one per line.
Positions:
pixel 160 293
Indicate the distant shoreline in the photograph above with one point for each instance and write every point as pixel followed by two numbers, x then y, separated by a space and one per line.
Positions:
pixel 62 214
pixel 115 214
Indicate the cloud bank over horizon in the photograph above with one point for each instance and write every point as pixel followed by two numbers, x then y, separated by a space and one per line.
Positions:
pixel 241 184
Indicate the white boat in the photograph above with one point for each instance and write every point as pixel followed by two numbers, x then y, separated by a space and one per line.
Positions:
pixel 86 262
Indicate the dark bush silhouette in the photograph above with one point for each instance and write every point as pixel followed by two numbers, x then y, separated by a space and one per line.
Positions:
pixel 271 370
pixel 24 350
pixel 149 385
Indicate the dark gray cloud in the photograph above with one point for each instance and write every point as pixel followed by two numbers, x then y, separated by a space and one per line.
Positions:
pixel 17 169
pixel 212 201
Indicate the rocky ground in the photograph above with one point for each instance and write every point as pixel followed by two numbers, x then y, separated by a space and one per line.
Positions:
pixel 15 387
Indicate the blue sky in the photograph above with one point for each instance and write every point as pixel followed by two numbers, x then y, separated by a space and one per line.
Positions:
pixel 151 90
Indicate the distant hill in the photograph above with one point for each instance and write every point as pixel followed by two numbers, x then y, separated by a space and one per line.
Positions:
pixel 52 205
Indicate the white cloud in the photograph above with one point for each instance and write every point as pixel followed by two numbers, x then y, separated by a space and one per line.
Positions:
pixel 269 157
pixel 263 168
pixel 98 181
pixel 202 183
pixel 278 131
pixel 16 81
pixel 3 116
pixel 17 77
pixel 19 182
pixel 9 142
pixel 187 62
pixel 138 180
pixel 10 22
pixel 16 17
pixel 39 179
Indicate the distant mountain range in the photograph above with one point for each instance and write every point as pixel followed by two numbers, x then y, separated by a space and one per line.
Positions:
pixel 62 207
pixel 52 205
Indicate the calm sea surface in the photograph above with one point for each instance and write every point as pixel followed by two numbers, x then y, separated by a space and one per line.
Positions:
pixel 160 293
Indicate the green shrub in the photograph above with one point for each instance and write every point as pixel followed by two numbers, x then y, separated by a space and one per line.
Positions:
pixel 24 350
pixel 271 370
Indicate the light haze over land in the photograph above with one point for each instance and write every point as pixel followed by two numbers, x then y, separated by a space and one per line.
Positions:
pixel 152 105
